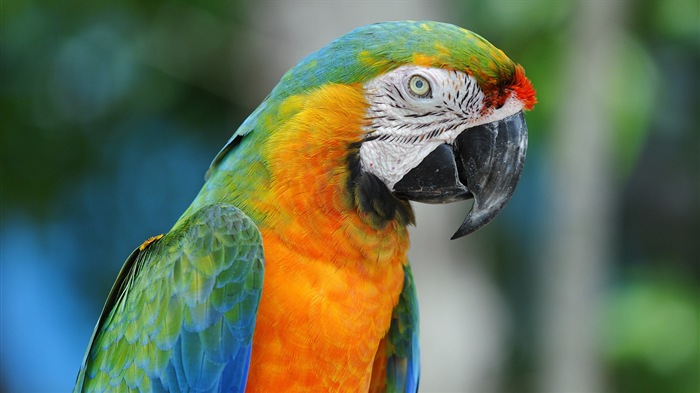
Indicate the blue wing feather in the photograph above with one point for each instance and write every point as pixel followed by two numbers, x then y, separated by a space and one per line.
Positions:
pixel 403 357
pixel 181 315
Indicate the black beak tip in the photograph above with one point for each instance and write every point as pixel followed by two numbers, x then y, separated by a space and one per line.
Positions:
pixel 464 230
pixel 475 220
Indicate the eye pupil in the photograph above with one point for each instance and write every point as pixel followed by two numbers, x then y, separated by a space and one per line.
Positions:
pixel 419 86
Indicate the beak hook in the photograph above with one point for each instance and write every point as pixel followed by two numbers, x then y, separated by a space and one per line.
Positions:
pixel 491 158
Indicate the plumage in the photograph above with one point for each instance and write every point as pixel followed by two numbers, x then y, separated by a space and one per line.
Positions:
pixel 309 184
pixel 182 311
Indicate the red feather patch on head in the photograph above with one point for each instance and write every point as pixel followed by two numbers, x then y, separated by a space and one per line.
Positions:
pixel 515 83
pixel 523 89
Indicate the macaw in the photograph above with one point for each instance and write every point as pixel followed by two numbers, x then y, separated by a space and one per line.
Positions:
pixel 288 272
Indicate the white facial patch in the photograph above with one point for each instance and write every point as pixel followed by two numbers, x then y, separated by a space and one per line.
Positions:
pixel 404 127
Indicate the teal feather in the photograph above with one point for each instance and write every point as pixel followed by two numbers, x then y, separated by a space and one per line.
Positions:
pixel 403 363
pixel 173 306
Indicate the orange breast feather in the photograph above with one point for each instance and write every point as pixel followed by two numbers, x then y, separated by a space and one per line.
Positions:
pixel 331 277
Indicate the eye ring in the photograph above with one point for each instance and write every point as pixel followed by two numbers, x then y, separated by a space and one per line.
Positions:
pixel 419 86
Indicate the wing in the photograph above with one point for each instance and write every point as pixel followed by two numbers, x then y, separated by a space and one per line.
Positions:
pixel 182 313
pixel 397 363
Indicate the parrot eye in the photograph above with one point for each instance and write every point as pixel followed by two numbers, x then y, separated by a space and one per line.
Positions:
pixel 419 86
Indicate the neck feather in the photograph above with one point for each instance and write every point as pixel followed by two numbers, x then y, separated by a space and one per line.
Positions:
pixel 297 174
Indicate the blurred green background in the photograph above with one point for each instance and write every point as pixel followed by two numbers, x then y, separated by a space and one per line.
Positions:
pixel 588 281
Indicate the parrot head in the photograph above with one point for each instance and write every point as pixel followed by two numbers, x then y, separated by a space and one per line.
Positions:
pixel 435 114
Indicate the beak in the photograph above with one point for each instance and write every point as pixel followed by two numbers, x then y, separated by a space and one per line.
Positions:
pixel 484 162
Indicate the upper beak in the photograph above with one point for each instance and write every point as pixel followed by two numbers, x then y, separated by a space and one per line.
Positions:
pixel 484 162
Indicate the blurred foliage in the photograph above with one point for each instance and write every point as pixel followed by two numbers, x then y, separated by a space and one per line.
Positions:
pixel 76 73
pixel 653 333
pixel 111 112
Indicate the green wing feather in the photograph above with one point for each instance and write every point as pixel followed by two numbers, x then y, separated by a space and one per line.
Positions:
pixel 403 349
pixel 182 313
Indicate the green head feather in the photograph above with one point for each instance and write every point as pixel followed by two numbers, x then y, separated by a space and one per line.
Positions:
pixel 372 50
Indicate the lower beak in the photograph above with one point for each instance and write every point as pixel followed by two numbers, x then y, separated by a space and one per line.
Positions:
pixel 484 162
